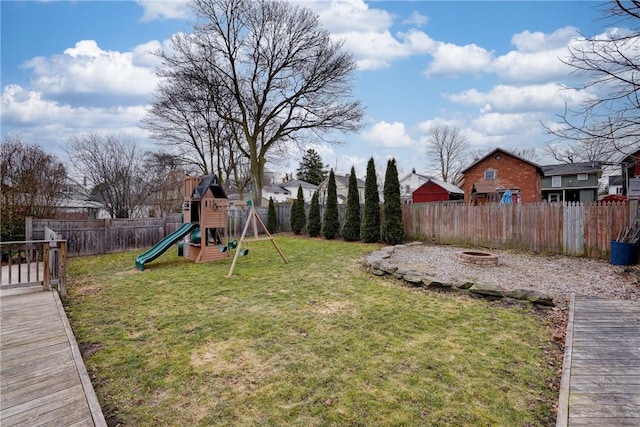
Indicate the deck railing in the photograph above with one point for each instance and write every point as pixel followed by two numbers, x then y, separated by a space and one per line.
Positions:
pixel 35 262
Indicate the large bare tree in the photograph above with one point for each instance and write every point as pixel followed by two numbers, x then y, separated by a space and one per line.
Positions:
pixel 446 149
pixel 268 71
pixel 113 167
pixel 609 67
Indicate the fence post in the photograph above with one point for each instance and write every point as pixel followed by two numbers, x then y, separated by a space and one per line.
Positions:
pixel 62 272
pixel 28 228
pixel 633 211
pixel 107 233
pixel 46 279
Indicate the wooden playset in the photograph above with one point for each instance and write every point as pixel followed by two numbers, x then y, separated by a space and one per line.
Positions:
pixel 203 236
pixel 205 204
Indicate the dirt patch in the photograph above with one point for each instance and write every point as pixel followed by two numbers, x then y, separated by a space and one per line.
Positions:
pixel 89 290
pixel 88 349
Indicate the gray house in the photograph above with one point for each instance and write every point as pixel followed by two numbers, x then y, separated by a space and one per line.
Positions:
pixel 571 182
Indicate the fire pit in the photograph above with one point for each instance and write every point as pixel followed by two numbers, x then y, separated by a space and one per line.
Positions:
pixel 478 258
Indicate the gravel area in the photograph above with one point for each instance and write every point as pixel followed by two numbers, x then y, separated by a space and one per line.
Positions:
pixel 555 275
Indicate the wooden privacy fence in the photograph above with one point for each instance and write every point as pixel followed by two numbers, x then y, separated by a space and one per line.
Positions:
pixel 93 237
pixel 581 229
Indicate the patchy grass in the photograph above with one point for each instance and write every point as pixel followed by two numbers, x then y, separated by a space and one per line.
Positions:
pixel 314 342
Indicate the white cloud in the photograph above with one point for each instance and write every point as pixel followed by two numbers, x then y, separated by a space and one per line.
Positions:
pixel 343 16
pixel 532 67
pixel 30 111
pixel 388 135
pixel 528 42
pixel 426 125
pixel 496 124
pixel 87 69
pixel 143 54
pixel 450 60
pixel 507 98
pixel 164 9
pixel 375 50
pixel 416 19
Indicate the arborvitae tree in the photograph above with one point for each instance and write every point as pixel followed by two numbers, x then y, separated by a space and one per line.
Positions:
pixel 313 221
pixel 272 218
pixel 311 168
pixel 392 229
pixel 370 231
pixel 330 222
pixel 351 227
pixel 298 217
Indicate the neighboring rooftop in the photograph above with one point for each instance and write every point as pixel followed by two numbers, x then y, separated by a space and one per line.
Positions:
pixel 571 168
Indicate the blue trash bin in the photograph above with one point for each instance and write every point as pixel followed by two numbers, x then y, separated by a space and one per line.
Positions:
pixel 623 253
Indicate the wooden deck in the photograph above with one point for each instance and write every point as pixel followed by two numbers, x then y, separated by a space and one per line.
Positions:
pixel 43 380
pixel 601 372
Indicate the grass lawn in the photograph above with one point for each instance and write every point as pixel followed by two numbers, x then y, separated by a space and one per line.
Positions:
pixel 315 342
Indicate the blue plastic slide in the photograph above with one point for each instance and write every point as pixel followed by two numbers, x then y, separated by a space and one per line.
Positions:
pixel 164 244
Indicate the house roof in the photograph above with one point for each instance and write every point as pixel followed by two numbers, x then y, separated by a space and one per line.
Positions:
pixel 423 176
pixel 489 187
pixel 450 188
pixel 501 150
pixel 344 180
pixel 208 182
pixel 295 183
pixel 572 168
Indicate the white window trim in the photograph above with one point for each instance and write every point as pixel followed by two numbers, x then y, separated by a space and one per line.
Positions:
pixel 583 177
pixel 490 171
pixel 556 181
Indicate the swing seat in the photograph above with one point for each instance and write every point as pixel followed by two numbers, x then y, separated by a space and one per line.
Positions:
pixel 244 252
pixel 233 244
pixel 222 248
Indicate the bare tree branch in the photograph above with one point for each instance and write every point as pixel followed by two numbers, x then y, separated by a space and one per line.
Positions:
pixel 446 149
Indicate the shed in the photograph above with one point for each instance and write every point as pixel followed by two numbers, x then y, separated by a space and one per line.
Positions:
pixel 436 191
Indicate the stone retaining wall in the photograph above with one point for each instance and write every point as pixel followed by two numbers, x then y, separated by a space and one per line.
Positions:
pixel 379 263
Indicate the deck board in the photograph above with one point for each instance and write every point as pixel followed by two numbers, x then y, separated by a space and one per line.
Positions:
pixel 43 380
pixel 601 373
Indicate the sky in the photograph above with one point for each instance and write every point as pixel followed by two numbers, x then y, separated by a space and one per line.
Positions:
pixel 490 68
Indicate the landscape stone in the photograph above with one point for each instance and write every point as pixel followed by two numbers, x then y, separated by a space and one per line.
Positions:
pixel 463 285
pixel 432 283
pixel 532 295
pixel 487 289
pixel 413 277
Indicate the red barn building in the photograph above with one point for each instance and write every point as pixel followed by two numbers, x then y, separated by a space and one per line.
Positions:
pixel 436 191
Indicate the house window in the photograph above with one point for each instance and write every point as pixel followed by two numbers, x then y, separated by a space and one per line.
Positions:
pixel 554 197
pixel 556 181
pixel 583 177
pixel 490 174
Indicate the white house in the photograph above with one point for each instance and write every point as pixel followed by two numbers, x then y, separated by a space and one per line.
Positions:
pixel 278 193
pixel 615 184
pixel 307 189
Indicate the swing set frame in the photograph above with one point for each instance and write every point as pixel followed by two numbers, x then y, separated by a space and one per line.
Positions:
pixel 253 219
